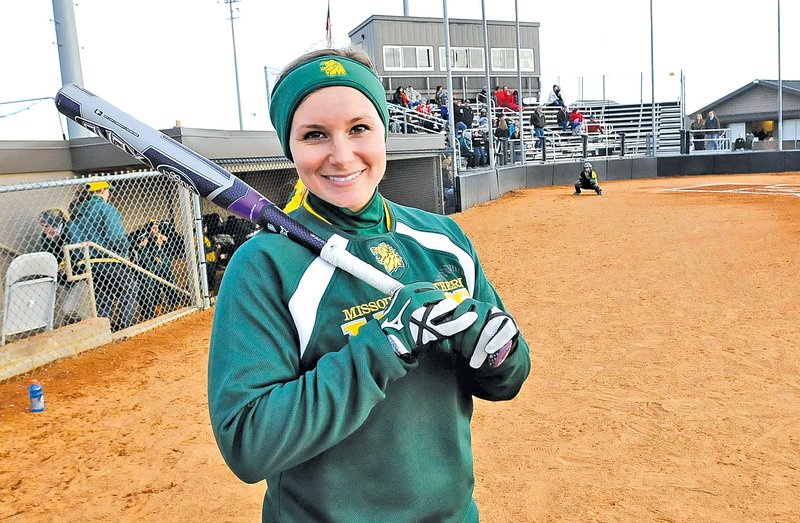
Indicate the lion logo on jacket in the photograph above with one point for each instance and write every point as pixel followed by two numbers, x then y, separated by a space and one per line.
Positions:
pixel 387 256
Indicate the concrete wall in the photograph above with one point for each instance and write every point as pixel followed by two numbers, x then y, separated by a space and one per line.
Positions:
pixel 480 187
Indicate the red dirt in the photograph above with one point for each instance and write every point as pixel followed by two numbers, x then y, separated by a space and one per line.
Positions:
pixel 664 338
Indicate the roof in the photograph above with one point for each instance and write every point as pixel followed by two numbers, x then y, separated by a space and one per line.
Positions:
pixel 389 18
pixel 789 87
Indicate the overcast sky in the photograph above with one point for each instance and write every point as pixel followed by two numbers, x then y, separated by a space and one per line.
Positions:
pixel 168 60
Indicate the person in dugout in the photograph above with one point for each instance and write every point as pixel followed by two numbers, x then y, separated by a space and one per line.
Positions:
pixel 587 179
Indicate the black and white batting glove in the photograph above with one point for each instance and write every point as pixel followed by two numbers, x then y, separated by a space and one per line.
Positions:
pixel 418 315
pixel 490 338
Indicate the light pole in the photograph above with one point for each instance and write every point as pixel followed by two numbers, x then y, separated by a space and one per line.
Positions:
pixel 519 82
pixel 652 80
pixel 235 61
pixel 780 84
pixel 489 108
pixel 69 56
pixel 450 103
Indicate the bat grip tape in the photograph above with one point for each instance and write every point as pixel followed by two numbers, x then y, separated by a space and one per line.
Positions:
pixel 335 252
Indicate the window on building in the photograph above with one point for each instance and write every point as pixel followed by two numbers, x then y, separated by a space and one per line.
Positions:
pixel 462 59
pixel 505 59
pixel 396 57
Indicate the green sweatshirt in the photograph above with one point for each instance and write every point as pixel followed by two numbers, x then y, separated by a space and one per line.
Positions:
pixel 306 393
pixel 100 222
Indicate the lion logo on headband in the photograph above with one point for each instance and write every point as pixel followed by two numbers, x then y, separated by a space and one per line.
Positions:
pixel 332 68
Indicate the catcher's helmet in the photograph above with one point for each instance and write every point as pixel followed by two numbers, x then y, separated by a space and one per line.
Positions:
pixel 587 164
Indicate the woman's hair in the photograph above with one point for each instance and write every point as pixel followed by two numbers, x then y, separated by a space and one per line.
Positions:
pixel 347 52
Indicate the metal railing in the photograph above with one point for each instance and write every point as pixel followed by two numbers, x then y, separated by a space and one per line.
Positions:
pixel 710 139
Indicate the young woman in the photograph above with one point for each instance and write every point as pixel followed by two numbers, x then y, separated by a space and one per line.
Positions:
pixel 354 405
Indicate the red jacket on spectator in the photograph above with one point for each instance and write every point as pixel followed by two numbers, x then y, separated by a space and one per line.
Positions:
pixel 505 98
pixel 594 126
pixel 575 114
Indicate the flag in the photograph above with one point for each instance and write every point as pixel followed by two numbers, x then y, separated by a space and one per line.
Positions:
pixel 328 34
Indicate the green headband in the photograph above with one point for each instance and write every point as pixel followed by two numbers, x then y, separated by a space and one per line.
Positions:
pixel 324 71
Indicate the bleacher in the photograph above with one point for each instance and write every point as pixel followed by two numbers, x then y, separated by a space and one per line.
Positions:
pixel 634 122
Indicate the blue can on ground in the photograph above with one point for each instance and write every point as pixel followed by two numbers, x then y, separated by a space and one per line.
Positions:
pixel 36 394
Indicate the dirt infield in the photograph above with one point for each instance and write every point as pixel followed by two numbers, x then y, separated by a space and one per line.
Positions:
pixel 664 338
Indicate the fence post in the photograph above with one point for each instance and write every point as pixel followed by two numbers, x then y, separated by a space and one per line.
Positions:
pixel 187 211
pixel 622 144
pixel 205 292
pixel 585 144
pixel 544 149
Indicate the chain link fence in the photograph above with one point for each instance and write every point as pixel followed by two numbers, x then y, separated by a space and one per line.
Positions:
pixel 119 246
pixel 136 247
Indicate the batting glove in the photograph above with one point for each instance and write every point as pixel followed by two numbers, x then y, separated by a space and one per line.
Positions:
pixel 418 315
pixel 490 337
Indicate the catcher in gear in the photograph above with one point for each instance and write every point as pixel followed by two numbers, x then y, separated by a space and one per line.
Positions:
pixel 587 179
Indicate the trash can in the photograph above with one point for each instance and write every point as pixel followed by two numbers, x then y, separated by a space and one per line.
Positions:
pixel 685 140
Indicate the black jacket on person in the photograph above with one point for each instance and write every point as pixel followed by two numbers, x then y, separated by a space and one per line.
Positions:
pixel 562 118
pixel 468 116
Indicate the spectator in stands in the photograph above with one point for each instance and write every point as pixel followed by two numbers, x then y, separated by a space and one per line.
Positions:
pixel 96 220
pixel 594 126
pixel 515 98
pixel 575 120
pixel 713 126
pixel 481 98
pixel 414 97
pixel 441 96
pixel 459 115
pixel 468 116
pixel 500 96
pixel 466 148
pixel 555 96
pixel 483 121
pixel 538 122
pixel 399 97
pixel 480 145
pixel 562 118
pixel 513 129
pixel 442 101
pixel 505 98
pixel 698 125
pixel 501 128
pixel 424 108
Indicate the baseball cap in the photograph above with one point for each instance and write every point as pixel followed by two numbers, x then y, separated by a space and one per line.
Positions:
pixel 53 217
pixel 98 185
